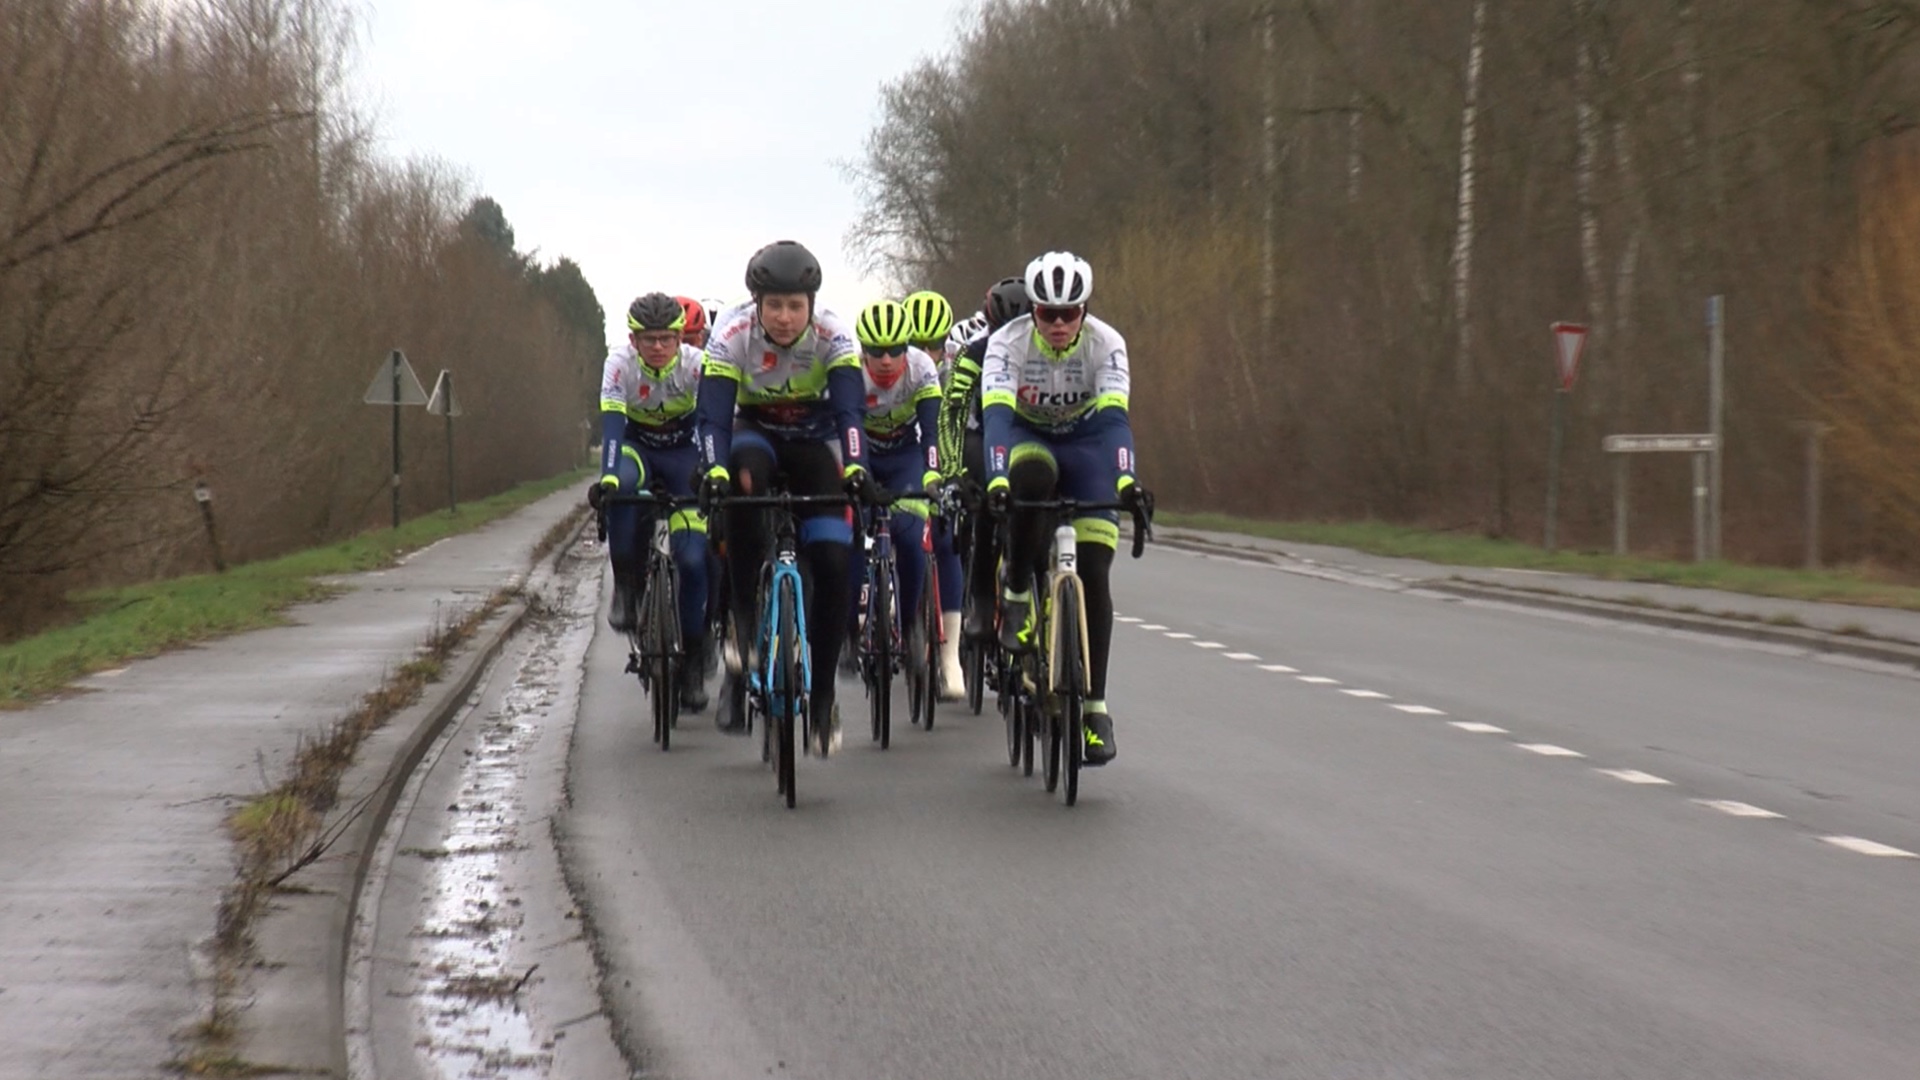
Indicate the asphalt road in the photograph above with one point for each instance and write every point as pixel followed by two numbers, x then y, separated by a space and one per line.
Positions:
pixel 1288 878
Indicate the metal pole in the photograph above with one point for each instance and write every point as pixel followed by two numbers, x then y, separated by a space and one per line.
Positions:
pixel 1716 413
pixel 1553 468
pixel 1700 507
pixel 453 504
pixel 393 361
pixel 1814 432
pixel 1619 504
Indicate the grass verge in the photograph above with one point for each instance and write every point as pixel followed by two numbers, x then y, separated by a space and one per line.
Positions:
pixel 1864 586
pixel 126 623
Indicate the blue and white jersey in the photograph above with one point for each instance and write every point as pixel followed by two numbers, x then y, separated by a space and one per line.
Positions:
pixel 657 404
pixel 806 391
pixel 892 412
pixel 1052 392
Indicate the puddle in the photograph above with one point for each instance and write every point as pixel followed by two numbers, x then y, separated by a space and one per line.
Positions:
pixel 468 1011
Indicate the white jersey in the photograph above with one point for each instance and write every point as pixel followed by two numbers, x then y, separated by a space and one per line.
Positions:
pixel 890 411
pixel 658 404
pixel 782 389
pixel 1052 392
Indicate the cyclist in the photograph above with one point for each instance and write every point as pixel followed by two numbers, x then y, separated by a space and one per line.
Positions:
pixel 902 403
pixel 960 444
pixel 930 319
pixel 647 394
pixel 695 333
pixel 794 371
pixel 1055 386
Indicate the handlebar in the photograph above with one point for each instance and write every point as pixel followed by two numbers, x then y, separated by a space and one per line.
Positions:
pixel 1142 516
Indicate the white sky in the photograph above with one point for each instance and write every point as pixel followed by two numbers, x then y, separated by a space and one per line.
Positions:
pixel 657 144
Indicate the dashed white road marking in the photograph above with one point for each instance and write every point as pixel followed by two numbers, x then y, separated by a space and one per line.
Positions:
pixel 1151 626
pixel 1550 750
pixel 1319 680
pixel 1420 710
pixel 1869 847
pixel 1477 727
pixel 1126 618
pixel 1208 645
pixel 1280 668
pixel 1364 693
pixel 1633 776
pixel 1737 809
pixel 1241 656
pixel 1178 635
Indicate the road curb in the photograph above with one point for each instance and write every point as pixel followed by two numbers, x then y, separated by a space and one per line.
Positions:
pixel 1863 646
pixel 291 987
pixel 1884 650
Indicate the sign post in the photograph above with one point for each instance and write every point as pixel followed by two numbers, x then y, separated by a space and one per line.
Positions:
pixel 1700 446
pixel 443 403
pixel 1570 341
pixel 395 384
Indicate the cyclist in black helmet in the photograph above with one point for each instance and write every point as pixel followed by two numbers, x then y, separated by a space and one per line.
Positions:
pixel 793 370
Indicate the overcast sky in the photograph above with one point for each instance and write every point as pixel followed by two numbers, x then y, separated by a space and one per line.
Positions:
pixel 656 143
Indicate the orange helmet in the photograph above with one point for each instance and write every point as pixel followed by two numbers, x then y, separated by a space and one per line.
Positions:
pixel 696 316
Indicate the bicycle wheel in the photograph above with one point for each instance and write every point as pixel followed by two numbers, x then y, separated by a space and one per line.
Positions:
pixel 1069 685
pixel 659 642
pixel 787 685
pixel 928 649
pixel 882 635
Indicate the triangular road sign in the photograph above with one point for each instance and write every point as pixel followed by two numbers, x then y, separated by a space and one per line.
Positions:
pixel 380 391
pixel 1570 341
pixel 443 403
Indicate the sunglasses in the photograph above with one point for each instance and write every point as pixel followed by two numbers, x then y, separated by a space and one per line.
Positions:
pixel 891 350
pixel 1056 314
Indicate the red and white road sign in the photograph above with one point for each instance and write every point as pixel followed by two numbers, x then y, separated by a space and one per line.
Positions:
pixel 1570 340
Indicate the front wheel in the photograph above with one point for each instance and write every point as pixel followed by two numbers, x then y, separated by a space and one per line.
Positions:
pixel 1069 681
pixel 788 684
pixel 880 639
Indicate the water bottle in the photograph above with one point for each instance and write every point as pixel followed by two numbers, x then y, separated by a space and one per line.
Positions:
pixel 1066 551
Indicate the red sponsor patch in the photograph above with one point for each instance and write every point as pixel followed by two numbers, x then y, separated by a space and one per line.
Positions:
pixel 768 360
pixel 646 391
pixel 872 400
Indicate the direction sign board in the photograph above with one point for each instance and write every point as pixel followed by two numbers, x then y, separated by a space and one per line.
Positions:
pixel 1570 341
pixel 1655 444
pixel 380 391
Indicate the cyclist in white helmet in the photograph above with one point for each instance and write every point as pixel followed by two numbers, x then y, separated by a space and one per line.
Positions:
pixel 1054 409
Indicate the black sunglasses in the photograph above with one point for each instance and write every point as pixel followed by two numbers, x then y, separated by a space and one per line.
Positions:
pixel 1055 314
pixel 890 350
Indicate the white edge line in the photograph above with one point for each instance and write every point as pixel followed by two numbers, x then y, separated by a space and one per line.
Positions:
pixel 1737 809
pixel 1869 847
pixel 1633 776
pixel 1549 750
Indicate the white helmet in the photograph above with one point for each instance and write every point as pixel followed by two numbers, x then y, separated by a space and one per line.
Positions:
pixel 1059 279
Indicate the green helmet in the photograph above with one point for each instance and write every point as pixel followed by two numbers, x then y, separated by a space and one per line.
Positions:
pixel 882 324
pixel 930 315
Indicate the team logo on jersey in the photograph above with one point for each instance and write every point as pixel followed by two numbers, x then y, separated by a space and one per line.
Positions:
pixel 1126 460
pixel 853 442
pixel 646 391
pixel 873 400
pixel 999 459
pixel 1036 397
pixel 769 360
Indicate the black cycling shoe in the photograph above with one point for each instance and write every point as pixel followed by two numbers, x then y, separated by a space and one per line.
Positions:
pixel 976 622
pixel 1016 622
pixel 731 717
pixel 1099 749
pixel 626 604
pixel 693 687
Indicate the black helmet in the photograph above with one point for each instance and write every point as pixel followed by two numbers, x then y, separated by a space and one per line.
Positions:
pixel 783 266
pixel 1006 301
pixel 655 311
